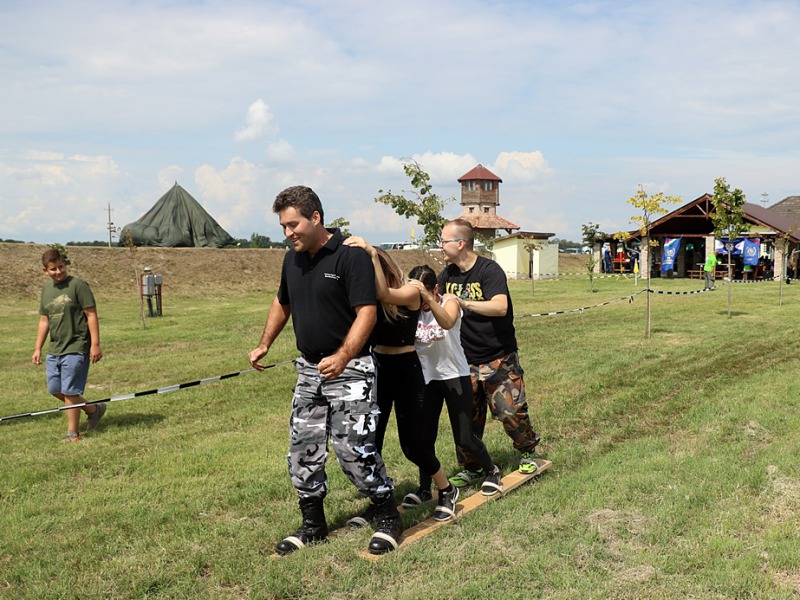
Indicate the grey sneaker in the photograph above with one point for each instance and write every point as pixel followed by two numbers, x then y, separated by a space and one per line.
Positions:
pixel 94 418
pixel 491 485
pixel 72 436
pixel 446 509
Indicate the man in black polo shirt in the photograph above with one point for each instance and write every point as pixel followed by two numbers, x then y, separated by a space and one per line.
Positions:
pixel 329 291
pixel 490 345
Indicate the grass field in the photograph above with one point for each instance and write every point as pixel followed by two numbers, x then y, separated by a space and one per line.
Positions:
pixel 676 460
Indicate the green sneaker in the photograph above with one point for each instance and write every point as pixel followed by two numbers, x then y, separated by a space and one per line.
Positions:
pixel 466 477
pixel 527 464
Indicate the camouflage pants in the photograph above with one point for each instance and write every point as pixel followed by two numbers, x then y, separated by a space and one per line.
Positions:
pixel 342 411
pixel 500 386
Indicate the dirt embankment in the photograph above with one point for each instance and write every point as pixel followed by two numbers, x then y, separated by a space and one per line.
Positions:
pixel 186 271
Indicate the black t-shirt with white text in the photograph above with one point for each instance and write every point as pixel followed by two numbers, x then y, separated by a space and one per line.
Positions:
pixel 323 292
pixel 483 338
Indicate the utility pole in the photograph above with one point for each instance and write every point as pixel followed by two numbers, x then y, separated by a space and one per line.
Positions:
pixel 111 229
pixel 764 199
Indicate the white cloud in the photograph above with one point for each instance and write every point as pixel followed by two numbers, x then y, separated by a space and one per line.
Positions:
pixel 230 195
pixel 259 123
pixel 280 151
pixel 525 166
pixel 169 176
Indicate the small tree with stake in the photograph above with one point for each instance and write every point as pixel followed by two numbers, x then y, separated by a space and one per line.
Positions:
pixel 728 220
pixel 782 242
pixel 591 237
pixel 649 206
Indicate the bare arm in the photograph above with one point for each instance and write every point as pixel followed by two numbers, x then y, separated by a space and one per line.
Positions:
pixel 332 366
pixel 496 306
pixel 446 315
pixel 276 320
pixel 403 296
pixel 41 335
pixel 95 353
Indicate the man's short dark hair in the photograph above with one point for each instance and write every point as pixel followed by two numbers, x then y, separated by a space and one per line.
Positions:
pixel 301 198
pixel 52 256
pixel 465 231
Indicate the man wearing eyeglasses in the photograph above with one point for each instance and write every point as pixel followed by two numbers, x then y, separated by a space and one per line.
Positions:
pixel 490 344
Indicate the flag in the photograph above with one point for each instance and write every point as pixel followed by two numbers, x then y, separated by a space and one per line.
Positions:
pixel 671 247
pixel 752 250
pixel 720 243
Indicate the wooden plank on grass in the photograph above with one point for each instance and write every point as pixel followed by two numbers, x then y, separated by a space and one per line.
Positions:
pixel 510 482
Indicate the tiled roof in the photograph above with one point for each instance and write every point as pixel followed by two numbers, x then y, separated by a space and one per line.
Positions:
pixel 481 173
pixel 789 208
pixel 489 222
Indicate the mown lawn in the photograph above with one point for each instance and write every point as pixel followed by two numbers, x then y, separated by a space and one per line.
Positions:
pixel 676 461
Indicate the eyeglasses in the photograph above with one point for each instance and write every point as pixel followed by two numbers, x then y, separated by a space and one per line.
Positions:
pixel 443 242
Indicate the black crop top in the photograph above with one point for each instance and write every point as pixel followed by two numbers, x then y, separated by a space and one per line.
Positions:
pixel 399 332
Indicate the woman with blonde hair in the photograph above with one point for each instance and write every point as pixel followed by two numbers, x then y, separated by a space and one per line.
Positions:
pixel 400 382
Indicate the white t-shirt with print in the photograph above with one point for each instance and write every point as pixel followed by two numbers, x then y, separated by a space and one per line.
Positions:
pixel 439 350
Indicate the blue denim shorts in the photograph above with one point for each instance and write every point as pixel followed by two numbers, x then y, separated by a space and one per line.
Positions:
pixel 67 374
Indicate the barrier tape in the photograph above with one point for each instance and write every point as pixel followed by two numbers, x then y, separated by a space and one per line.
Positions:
pixel 583 308
pixel 552 276
pixel 162 390
pixel 665 293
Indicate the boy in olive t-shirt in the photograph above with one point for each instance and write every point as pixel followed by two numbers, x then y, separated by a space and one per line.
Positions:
pixel 67 312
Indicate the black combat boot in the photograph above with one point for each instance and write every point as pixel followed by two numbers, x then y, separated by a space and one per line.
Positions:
pixel 313 529
pixel 389 527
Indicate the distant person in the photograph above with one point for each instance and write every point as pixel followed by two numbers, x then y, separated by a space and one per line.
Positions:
pixel 401 382
pixel 608 266
pixel 68 313
pixel 329 291
pixel 490 345
pixel 709 270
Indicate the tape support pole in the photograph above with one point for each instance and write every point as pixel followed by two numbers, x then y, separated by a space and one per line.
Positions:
pixel 162 390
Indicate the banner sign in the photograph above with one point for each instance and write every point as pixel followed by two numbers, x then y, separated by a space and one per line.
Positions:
pixel 752 250
pixel 671 247
pixel 720 243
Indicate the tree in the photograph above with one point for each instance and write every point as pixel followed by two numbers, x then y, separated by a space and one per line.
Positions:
pixel 127 241
pixel 62 251
pixel 342 224
pixel 649 206
pixel 532 245
pixel 591 237
pixel 728 220
pixel 426 206
pixel 782 242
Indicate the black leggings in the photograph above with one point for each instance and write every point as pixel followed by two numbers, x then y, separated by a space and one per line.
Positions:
pixel 400 383
pixel 457 394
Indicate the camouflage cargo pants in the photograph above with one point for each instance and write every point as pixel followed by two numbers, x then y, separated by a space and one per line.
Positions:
pixel 342 411
pixel 499 386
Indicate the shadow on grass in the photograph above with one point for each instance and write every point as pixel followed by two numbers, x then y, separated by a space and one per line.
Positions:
pixel 129 420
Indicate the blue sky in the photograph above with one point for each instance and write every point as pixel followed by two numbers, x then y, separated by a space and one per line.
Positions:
pixel 572 104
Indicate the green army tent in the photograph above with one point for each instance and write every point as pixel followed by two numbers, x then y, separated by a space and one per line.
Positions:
pixel 176 219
